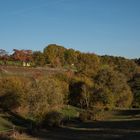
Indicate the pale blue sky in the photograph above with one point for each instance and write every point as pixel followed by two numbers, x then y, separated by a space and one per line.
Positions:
pixel 101 26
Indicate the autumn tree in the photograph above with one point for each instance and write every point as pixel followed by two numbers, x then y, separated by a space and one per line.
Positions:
pixel 54 55
pixel 39 58
pixel 88 63
pixel 125 66
pixel 70 56
pixel 111 89
pixel 80 90
pixel 22 55
pixel 44 96
pixel 135 86
pixel 11 92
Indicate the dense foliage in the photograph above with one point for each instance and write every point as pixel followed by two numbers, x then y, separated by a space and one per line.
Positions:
pixel 87 81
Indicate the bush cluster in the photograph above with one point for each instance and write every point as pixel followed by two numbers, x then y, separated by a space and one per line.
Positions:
pixel 31 98
pixel 92 115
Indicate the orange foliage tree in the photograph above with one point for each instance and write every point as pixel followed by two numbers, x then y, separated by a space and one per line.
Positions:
pixel 22 55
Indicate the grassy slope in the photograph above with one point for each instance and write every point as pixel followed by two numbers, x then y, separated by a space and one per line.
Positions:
pixel 28 71
pixel 4 124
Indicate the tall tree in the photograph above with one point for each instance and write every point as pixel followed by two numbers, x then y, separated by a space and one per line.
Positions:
pixel 54 55
pixel 79 94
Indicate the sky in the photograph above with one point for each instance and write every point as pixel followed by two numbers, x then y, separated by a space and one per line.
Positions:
pixel 104 27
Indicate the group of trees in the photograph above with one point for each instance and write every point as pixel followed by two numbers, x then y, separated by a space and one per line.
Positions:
pixel 92 82
pixel 108 89
pixel 17 56
pixel 29 97
pixel 55 56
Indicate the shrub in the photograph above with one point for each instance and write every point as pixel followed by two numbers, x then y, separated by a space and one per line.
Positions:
pixel 52 119
pixel 31 98
pixel 92 115
pixel 11 92
pixel 45 96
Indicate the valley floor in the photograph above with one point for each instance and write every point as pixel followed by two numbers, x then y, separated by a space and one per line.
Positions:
pixel 123 125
